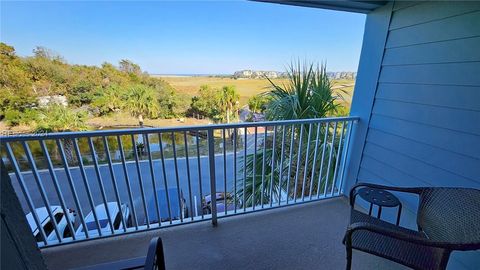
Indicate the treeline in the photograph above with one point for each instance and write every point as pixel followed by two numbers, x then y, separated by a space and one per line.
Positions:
pixel 90 91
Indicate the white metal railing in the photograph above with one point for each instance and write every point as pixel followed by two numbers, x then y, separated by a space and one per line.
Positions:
pixel 75 186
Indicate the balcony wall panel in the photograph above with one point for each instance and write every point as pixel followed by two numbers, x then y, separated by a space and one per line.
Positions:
pixel 466 50
pixel 434 95
pixel 424 125
pixel 459 74
pixel 462 165
pixel 415 14
pixel 457 27
pixel 422 173
pixel 457 142
pixel 443 117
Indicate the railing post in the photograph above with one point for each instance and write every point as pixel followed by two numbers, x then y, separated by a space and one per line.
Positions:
pixel 213 187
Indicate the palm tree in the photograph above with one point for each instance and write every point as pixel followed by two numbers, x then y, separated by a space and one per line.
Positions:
pixel 307 94
pixel 229 98
pixel 57 118
pixel 142 101
pixel 257 103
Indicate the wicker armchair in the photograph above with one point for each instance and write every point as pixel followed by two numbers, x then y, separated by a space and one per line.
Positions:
pixel 448 219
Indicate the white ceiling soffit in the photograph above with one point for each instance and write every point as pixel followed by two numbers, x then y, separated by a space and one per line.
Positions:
pixel 357 6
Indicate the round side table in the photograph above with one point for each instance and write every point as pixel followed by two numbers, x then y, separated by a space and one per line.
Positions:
pixel 381 198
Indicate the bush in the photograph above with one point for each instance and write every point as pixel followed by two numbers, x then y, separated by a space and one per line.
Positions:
pixel 58 118
pixel 12 117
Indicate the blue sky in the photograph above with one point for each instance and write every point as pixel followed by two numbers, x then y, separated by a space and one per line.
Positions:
pixel 185 37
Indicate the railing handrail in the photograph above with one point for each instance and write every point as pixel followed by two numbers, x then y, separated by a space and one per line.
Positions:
pixel 115 132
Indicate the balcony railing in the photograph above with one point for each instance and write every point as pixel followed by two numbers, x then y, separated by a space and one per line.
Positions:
pixel 76 186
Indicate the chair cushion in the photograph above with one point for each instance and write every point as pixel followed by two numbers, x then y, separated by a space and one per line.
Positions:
pixel 400 251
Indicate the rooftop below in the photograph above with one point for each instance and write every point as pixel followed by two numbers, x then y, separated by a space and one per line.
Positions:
pixel 305 236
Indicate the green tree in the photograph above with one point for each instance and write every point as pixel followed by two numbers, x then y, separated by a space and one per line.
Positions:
pixel 229 98
pixel 171 104
pixel 43 52
pixel 16 95
pixel 24 79
pixel 258 103
pixel 129 67
pixel 82 84
pixel 111 75
pixel 205 103
pixel 57 118
pixel 110 99
pixel 142 101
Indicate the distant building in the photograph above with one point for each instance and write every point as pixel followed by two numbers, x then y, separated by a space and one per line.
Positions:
pixel 243 74
pixel 255 74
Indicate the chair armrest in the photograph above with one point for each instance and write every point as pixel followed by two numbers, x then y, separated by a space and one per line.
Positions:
pixel 400 235
pixel 400 189
pixel 155 256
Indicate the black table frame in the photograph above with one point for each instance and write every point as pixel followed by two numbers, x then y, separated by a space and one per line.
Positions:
pixel 399 205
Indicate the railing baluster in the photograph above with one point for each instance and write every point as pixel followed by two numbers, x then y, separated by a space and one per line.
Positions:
pixel 199 171
pixel 154 185
pixel 345 154
pixel 57 188
pixel 299 159
pixel 245 168
pixel 290 156
pixel 280 176
pixel 165 180
pixel 140 179
pixel 273 165
pixel 72 186
pixel 327 176
pixel 254 167
pixel 312 177
pixel 264 155
pixel 235 169
pixel 188 173
pixel 25 192
pixel 224 141
pixel 337 159
pixel 100 183
pixel 213 183
pixel 177 178
pixel 305 170
pixel 41 188
pixel 325 145
pixel 114 182
pixel 87 186
pixel 127 180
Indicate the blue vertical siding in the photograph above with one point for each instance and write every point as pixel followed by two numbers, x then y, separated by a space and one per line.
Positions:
pixel 424 124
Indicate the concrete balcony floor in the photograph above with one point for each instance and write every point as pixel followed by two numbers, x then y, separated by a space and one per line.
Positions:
pixel 307 236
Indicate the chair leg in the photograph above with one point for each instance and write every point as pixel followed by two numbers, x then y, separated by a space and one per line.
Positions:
pixel 349 257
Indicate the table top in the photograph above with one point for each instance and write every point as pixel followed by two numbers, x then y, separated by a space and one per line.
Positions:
pixel 379 197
